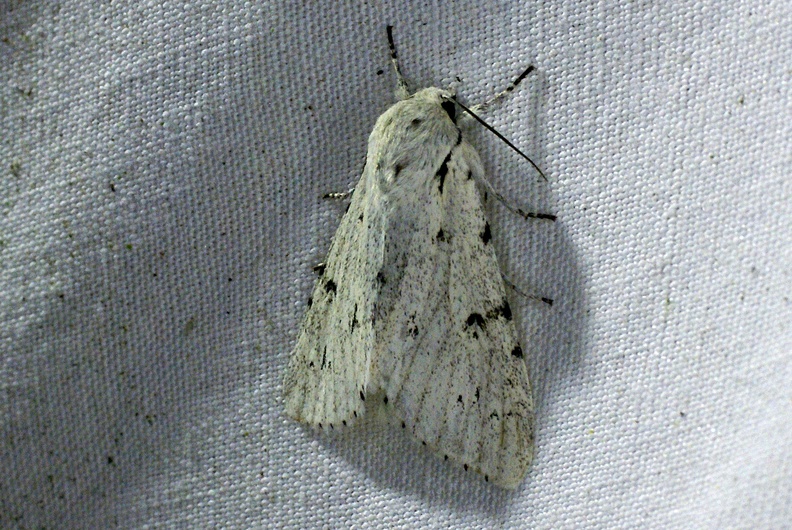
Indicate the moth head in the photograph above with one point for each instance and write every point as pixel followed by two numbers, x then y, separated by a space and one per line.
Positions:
pixel 429 98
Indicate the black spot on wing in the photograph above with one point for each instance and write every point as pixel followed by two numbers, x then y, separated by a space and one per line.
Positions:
pixel 503 310
pixel 381 278
pixel 396 171
pixel 362 396
pixel 310 302
pixel 486 234
pixel 324 358
pixel 517 352
pixel 477 319
pixel 330 286
pixel 441 235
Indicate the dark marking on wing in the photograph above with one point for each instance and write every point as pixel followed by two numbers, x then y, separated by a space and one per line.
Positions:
pixel 486 234
pixel 423 443
pixel 517 352
pixel 415 123
pixel 347 207
pixel 470 174
pixel 466 467
pixel 494 414
pixel 486 478
pixel 385 400
pixel 362 396
pixel 320 269
pixel 443 170
pixel 450 109
pixel 459 398
pixel 441 235
pixel 311 364
pixel 360 217
pixel 381 278
pixel 475 318
pixel 441 173
pixel 343 422
pixel 324 359
pixel 403 425
pixel 477 394
pixel 330 286
pixel 396 171
pixel 354 320
pixel 445 457
pixel 310 301
pixel 320 425
pixel 503 310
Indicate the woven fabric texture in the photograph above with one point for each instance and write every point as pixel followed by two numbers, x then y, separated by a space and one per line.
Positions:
pixel 161 172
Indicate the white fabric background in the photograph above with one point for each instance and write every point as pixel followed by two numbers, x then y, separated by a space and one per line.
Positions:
pixel 162 165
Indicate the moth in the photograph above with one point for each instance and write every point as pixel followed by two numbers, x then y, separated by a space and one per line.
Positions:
pixel 410 311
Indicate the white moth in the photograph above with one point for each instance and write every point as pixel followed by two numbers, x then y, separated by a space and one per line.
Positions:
pixel 410 311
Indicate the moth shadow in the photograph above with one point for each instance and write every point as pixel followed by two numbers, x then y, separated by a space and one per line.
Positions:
pixel 392 459
pixel 554 337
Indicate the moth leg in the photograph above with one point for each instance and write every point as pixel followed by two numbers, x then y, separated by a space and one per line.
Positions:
pixel 402 92
pixel 536 298
pixel 339 194
pixel 519 211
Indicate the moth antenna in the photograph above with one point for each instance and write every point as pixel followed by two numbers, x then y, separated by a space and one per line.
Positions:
pixel 499 135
